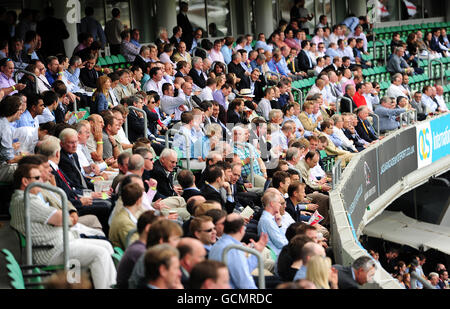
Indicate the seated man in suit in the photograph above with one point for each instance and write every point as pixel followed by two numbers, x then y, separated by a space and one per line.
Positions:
pixel 295 205
pixel 136 125
pixel 89 75
pixel 351 134
pixel 364 128
pixel 197 74
pixel 142 59
pixel 257 84
pixel 243 80
pixel 331 149
pixel 434 43
pixel 164 171
pixel 360 272
pixel 305 63
pixel 51 148
pixel 124 88
pixel 309 123
pixel 235 112
pixel 215 179
pixel 240 189
pixel 215 118
pixel 397 64
pixel 70 164
pixel 186 179
pixel 350 91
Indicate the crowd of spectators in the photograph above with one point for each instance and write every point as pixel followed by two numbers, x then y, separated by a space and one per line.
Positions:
pixel 437 276
pixel 258 175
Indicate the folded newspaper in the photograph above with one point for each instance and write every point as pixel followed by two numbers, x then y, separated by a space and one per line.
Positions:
pixel 315 218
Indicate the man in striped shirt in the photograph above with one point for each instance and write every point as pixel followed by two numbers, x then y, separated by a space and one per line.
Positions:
pixel 46 229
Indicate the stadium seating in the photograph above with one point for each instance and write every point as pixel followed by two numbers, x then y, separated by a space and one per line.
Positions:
pixel 20 280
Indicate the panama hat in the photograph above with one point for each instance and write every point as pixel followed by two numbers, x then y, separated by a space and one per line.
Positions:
pixel 246 93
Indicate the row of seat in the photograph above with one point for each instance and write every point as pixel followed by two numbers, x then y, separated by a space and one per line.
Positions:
pixel 404 30
pixel 375 74
pixel 304 85
pixel 115 62
pixel 31 276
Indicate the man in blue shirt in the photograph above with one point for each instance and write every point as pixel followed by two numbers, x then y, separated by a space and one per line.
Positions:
pixel 35 107
pixel 258 62
pixel 54 70
pixel 270 221
pixel 135 36
pixel 275 64
pixel 261 43
pixel 351 22
pixel 227 50
pixel 389 115
pixel 239 266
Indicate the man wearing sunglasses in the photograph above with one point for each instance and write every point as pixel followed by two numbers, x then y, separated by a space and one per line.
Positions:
pixel 46 227
pixel 203 229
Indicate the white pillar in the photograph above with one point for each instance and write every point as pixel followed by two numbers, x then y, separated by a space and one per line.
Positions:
pixel 69 11
pixel 166 14
pixel 357 7
pixel 264 17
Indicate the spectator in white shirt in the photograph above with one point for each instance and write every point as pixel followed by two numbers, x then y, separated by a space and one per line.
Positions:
pixel 440 98
pixel 170 103
pixel 87 164
pixel 371 96
pixel 339 133
pixel 337 34
pixel 156 81
pixel 320 65
pixel 359 34
pixel 51 103
pixel 207 92
pixel 333 88
pixel 351 43
pixel 395 89
pixel 341 48
pixel 281 138
pixel 167 54
pixel 427 94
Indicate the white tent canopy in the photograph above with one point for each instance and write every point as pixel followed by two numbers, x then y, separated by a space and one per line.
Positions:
pixel 398 228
